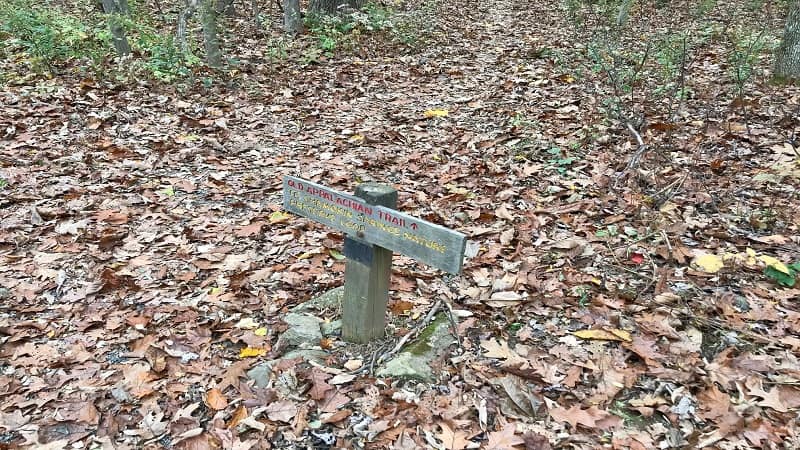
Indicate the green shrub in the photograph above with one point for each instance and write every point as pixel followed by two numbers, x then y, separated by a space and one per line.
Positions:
pixel 49 36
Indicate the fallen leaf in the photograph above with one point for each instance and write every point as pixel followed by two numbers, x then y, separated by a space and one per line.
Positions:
pixel 249 230
pixel 246 323
pixel 505 439
pixel 775 264
pixel 499 349
pixel 611 334
pixel 435 113
pixel 249 352
pixel 452 439
pixel 353 364
pixel 507 236
pixel 279 217
pixel 215 399
pixel 282 411
pixel 575 416
pixel 238 415
pixel 708 263
pixel 319 386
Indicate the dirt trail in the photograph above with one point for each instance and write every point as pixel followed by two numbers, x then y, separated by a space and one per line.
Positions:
pixel 141 238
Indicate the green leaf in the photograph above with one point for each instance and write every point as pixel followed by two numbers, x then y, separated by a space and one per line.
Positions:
pixel 336 255
pixel 781 278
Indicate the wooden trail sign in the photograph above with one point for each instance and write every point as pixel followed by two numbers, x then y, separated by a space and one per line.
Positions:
pixel 374 229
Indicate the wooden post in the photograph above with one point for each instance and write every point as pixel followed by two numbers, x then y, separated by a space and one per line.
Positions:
pixel 366 276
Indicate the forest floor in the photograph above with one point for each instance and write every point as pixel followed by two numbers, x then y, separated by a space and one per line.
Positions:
pixel 618 295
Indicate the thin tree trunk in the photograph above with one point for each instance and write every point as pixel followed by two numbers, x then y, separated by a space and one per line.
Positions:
pixel 335 6
pixel 115 10
pixel 183 20
pixel 211 34
pixel 787 57
pixel 292 21
pixel 256 16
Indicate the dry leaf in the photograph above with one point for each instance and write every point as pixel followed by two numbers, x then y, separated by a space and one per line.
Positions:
pixel 611 334
pixel 435 113
pixel 353 364
pixel 452 439
pixel 505 439
pixel 708 263
pixel 282 411
pixel 499 349
pixel 507 236
pixel 239 415
pixel 249 352
pixel 216 400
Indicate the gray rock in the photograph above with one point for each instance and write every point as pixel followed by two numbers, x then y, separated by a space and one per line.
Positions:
pixel 332 328
pixel 406 365
pixel 327 300
pixel 261 373
pixel 303 332
pixel 415 361
pixel 318 356
pixel 4 293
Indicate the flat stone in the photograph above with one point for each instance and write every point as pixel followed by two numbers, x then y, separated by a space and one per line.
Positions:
pixel 415 361
pixel 303 332
pixel 317 356
pixel 4 293
pixel 331 328
pixel 260 374
pixel 331 299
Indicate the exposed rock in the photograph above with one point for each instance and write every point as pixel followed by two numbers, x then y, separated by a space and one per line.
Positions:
pixel 260 374
pixel 331 328
pixel 303 332
pixel 327 300
pixel 318 356
pixel 415 361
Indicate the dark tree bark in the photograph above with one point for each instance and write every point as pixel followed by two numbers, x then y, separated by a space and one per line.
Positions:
pixel 209 15
pixel 787 58
pixel 292 20
pixel 115 10
pixel 335 6
pixel 208 19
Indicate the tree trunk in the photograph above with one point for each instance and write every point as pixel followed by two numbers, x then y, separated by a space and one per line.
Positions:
pixel 335 6
pixel 115 10
pixel 787 58
pixel 183 20
pixel 211 34
pixel 292 21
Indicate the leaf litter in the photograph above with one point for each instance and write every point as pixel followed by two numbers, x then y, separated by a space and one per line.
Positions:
pixel 145 262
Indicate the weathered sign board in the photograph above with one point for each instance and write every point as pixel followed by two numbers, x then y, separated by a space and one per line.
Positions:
pixel 423 241
pixel 374 229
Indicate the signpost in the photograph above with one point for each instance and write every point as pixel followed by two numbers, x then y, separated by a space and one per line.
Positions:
pixel 374 229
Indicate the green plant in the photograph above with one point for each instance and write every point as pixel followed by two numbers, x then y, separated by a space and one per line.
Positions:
pixel 3 183
pixel 560 161
pixel 784 278
pixel 49 36
pixel 582 292
pixel 277 49
pixel 746 47
pixel 330 31
pixel 610 231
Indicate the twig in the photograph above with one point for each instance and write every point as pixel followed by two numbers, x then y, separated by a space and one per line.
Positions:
pixel 637 155
pixel 453 324
pixel 413 333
